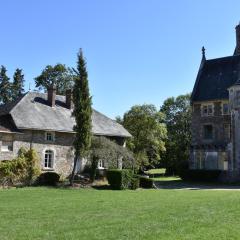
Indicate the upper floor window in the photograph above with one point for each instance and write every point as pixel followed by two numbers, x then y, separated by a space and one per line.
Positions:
pixel 208 132
pixel 207 110
pixel 48 159
pixel 50 136
pixel 7 146
pixel 225 108
pixel 226 131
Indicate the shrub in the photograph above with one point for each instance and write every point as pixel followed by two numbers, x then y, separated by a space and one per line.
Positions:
pixel 200 175
pixel 120 179
pixel 22 170
pixel 134 183
pixel 48 179
pixel 145 182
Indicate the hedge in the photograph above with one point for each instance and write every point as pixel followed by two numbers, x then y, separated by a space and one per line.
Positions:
pixel 120 179
pixel 200 175
pixel 146 182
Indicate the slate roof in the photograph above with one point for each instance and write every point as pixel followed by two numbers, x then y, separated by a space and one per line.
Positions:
pixel 7 124
pixel 33 112
pixel 215 77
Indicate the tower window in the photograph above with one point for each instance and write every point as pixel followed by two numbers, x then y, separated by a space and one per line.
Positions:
pixel 207 110
pixel 208 132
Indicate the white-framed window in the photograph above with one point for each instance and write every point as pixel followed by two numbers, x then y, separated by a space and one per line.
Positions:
pixel 48 159
pixel 225 109
pixel 100 164
pixel 7 146
pixel 50 136
pixel 207 109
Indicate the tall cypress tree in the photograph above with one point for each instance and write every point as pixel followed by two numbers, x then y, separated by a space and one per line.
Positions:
pixel 18 84
pixel 5 86
pixel 82 112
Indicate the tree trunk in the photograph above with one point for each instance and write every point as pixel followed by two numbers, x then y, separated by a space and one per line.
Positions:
pixel 74 168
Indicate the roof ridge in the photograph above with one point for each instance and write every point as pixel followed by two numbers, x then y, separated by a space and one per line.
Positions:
pixel 22 97
pixel 233 56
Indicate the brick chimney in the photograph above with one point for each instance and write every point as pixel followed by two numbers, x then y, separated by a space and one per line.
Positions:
pixel 51 95
pixel 69 102
pixel 237 49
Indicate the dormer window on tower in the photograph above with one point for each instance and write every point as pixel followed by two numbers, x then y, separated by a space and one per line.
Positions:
pixel 207 109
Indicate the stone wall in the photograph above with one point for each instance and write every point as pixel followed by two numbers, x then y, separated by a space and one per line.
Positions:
pixel 62 148
pixel 217 121
pixel 200 147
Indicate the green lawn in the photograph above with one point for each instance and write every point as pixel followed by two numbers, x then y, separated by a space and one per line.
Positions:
pixel 42 213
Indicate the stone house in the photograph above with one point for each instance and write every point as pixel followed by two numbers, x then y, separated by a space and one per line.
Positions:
pixel 44 122
pixel 215 104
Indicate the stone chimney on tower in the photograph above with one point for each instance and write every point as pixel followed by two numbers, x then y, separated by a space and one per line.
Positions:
pixel 51 95
pixel 237 49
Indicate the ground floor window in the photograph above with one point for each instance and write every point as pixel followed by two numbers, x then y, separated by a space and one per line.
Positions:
pixel 7 146
pixel 48 159
pixel 100 164
pixel 211 160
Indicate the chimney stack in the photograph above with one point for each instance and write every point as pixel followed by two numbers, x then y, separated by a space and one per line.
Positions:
pixel 51 95
pixel 69 102
pixel 237 49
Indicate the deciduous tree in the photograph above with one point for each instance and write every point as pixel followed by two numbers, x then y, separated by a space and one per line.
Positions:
pixel 59 75
pixel 149 132
pixel 178 120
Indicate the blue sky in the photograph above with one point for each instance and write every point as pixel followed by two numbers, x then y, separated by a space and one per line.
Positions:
pixel 137 51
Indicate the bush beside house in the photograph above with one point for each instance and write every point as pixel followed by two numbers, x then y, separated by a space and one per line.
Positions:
pixel 22 170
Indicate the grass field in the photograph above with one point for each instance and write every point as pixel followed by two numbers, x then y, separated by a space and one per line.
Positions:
pixel 45 213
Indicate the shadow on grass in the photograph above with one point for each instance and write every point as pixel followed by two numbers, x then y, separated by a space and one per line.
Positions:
pixel 102 187
pixel 180 184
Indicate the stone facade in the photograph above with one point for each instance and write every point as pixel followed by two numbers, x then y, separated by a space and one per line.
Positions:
pixel 61 147
pixel 63 154
pixel 215 148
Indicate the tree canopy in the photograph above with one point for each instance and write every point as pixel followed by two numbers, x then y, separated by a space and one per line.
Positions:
pixel 18 84
pixel 149 132
pixel 178 120
pixel 59 75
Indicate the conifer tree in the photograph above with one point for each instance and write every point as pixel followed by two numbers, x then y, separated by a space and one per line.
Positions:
pixel 18 84
pixel 5 86
pixel 82 112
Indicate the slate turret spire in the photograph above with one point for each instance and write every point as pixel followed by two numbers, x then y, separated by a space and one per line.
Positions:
pixel 237 48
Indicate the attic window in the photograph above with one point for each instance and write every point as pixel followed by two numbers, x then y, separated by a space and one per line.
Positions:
pixel 50 136
pixel 207 110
